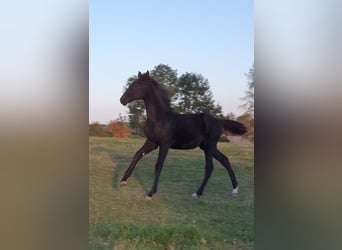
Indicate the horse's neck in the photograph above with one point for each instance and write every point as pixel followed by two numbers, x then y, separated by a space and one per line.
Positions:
pixel 155 109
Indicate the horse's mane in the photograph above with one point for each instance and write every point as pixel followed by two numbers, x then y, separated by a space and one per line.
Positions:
pixel 160 92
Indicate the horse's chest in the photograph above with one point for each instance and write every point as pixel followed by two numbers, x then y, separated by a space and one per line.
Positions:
pixel 157 132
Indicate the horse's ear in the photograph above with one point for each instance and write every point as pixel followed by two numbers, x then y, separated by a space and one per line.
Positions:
pixel 147 73
pixel 139 74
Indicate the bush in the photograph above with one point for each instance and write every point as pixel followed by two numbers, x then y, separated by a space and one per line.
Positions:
pixel 119 129
pixel 96 129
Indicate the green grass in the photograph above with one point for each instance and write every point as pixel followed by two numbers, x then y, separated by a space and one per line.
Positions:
pixel 120 218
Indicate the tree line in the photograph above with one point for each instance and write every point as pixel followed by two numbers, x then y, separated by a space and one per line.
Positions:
pixel 189 93
pixel 115 128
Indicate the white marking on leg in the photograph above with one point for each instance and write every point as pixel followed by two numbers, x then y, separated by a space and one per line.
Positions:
pixel 148 198
pixel 235 192
pixel 123 183
pixel 195 196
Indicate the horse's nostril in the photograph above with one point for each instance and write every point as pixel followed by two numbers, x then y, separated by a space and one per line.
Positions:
pixel 123 101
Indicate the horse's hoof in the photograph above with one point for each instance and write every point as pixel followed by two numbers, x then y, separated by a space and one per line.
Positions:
pixel 234 192
pixel 195 196
pixel 123 183
pixel 148 198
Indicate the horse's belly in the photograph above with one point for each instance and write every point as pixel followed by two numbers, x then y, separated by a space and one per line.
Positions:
pixel 184 143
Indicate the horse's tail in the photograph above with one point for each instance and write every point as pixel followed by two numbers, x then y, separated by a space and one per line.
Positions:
pixel 233 127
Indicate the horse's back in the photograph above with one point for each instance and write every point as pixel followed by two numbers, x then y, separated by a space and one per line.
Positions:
pixel 193 130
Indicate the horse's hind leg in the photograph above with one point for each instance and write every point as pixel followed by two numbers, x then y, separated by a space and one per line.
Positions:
pixel 145 149
pixel 208 171
pixel 225 162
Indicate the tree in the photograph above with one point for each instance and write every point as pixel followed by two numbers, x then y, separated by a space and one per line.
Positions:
pixel 136 118
pixel 249 97
pixel 248 117
pixel 194 96
pixel 167 77
pixel 189 94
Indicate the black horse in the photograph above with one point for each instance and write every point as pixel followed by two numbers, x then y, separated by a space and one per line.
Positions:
pixel 168 129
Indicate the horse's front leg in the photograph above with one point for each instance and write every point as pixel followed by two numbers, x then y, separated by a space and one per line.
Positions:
pixel 163 149
pixel 145 149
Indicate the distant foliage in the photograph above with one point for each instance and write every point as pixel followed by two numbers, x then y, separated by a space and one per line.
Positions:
pixel 97 129
pixel 167 77
pixel 247 120
pixel 189 93
pixel 136 111
pixel 194 96
pixel 119 129
pixel 248 117
pixel 249 97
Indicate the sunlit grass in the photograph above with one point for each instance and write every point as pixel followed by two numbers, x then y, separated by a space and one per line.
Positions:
pixel 120 218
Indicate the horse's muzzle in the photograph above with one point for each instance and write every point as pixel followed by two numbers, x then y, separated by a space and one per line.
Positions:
pixel 123 100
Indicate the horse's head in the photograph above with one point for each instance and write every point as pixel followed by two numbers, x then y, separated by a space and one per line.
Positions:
pixel 137 90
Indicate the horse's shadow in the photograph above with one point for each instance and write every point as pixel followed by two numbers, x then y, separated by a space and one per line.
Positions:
pixel 119 168
pixel 117 171
pixel 143 173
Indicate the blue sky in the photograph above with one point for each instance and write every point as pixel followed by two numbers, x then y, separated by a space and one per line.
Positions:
pixel 213 38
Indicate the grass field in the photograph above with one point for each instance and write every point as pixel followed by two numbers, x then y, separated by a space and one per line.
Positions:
pixel 120 218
